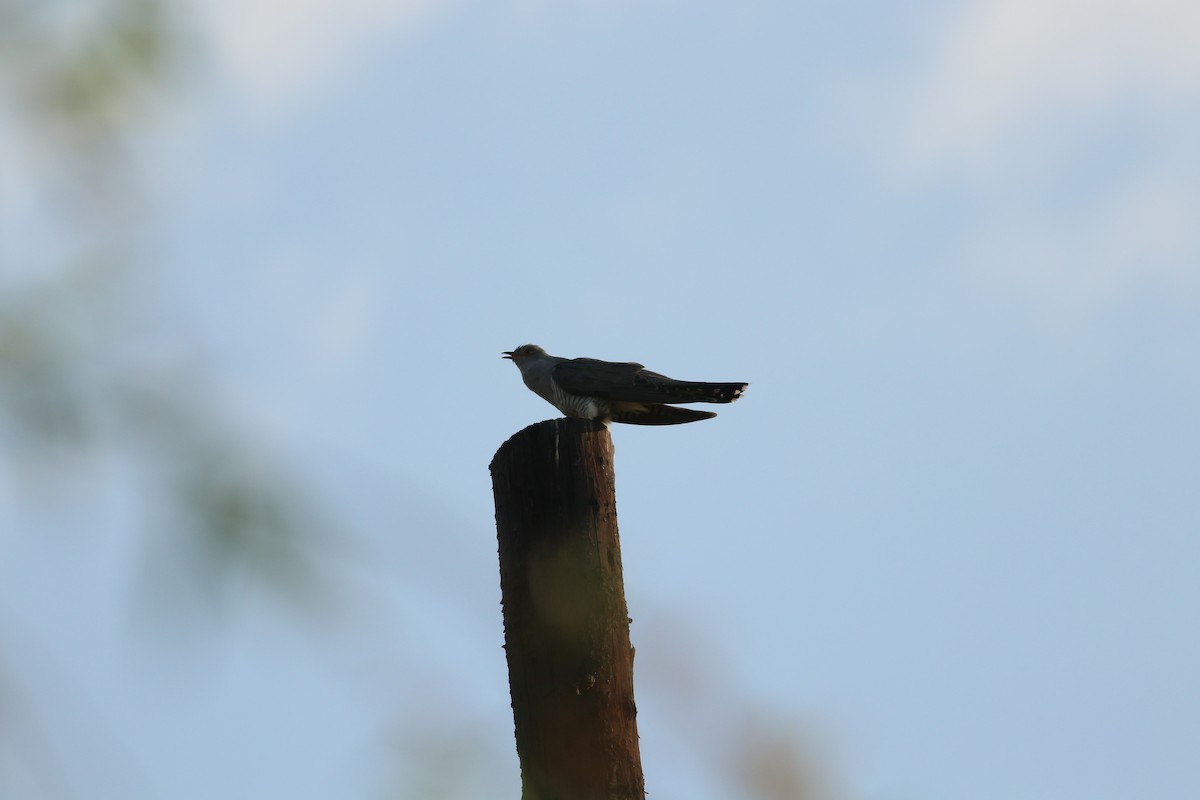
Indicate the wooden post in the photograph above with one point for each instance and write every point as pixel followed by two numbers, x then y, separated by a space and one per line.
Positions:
pixel 566 627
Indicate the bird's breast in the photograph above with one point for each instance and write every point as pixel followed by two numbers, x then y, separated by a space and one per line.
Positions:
pixel 574 405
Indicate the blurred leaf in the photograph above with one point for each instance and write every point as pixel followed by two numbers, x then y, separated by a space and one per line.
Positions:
pixel 36 387
pixel 776 763
pixel 86 76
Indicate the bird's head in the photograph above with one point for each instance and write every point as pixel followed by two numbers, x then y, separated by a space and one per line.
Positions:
pixel 523 353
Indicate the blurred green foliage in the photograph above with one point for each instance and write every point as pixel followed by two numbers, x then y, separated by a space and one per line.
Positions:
pixel 80 86
pixel 86 70
pixel 82 82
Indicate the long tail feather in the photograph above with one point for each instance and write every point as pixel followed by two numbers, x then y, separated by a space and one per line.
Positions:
pixel 659 415
pixel 651 387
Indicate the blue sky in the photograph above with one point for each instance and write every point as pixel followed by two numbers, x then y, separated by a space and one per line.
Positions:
pixel 947 543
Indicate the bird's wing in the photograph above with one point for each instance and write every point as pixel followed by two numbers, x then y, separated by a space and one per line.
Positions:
pixel 634 383
pixel 594 378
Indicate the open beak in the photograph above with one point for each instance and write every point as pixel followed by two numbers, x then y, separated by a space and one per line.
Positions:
pixel 506 354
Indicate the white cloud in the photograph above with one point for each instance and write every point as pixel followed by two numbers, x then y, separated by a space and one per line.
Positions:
pixel 1072 125
pixel 283 52
pixel 1005 69
pixel 1141 236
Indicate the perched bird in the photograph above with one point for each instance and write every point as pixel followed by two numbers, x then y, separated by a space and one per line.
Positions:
pixel 616 392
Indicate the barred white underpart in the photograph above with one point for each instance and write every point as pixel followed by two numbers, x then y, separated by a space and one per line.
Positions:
pixel 574 405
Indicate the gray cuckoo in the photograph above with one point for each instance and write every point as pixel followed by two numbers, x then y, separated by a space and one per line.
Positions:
pixel 616 392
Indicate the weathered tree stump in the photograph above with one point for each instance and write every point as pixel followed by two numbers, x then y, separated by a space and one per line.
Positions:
pixel 566 627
